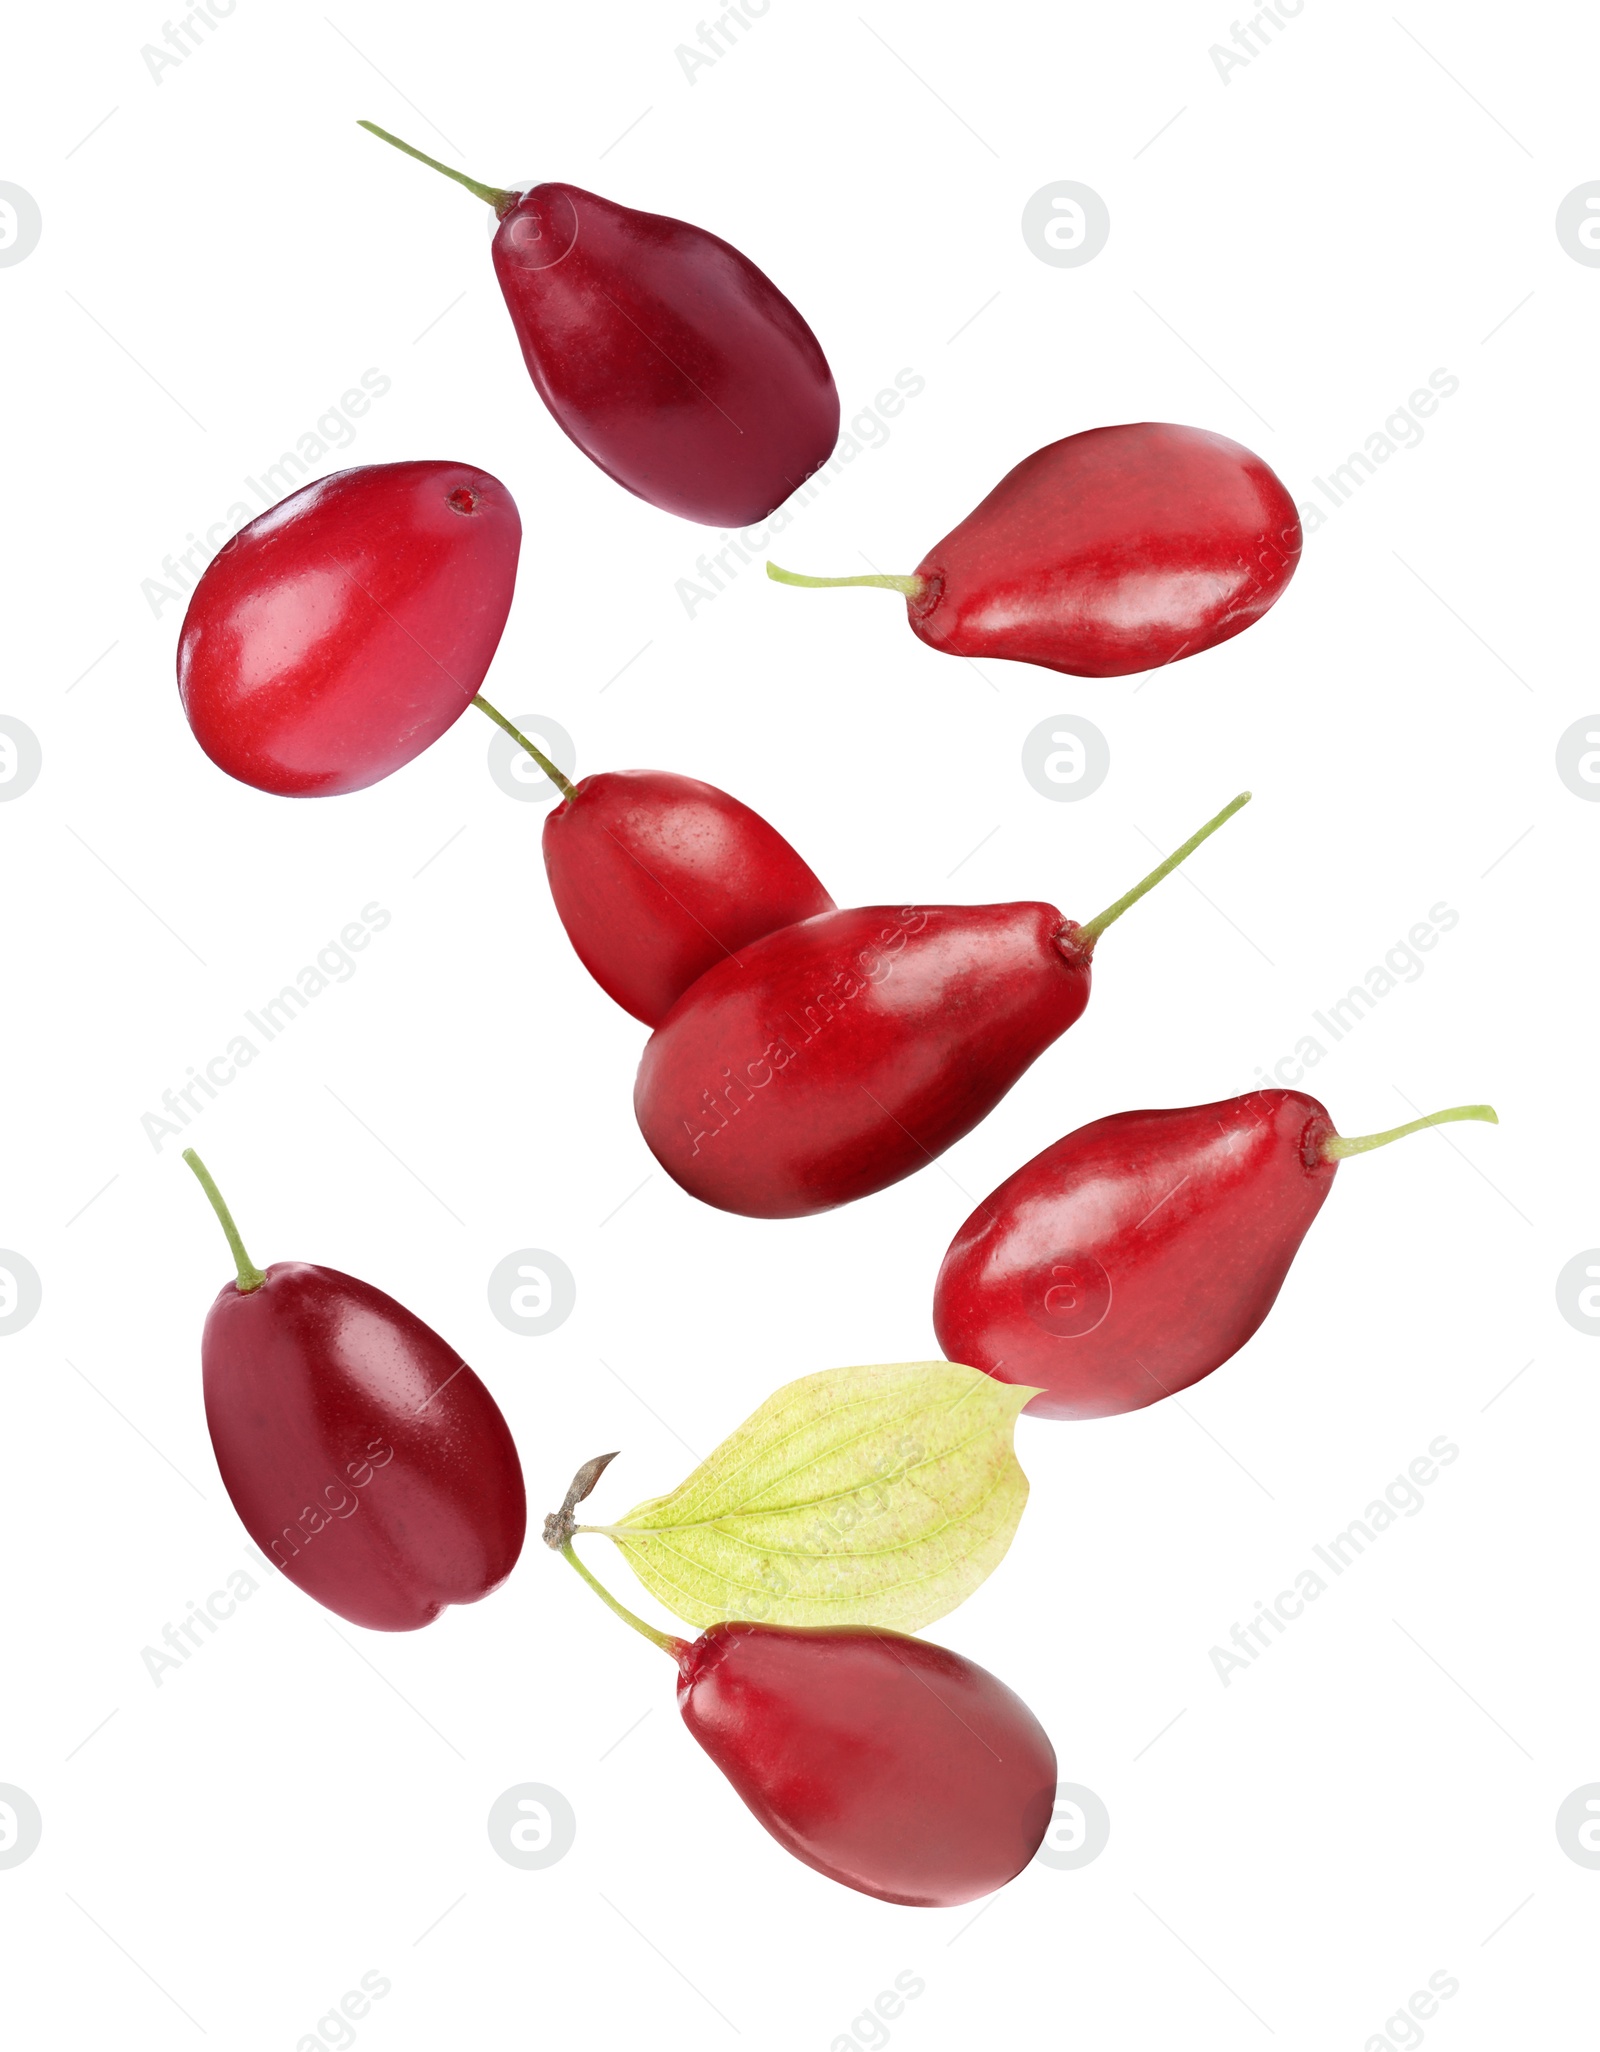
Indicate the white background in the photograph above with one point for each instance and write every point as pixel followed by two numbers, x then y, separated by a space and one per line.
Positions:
pixel 1294 253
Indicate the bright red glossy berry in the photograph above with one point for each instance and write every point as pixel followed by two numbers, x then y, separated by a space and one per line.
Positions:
pixel 1139 1253
pixel 830 1059
pixel 1117 550
pixel 364 1458
pixel 659 877
pixel 341 633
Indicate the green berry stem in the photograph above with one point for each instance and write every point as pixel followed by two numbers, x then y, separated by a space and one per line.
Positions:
pixel 250 1277
pixel 562 783
pixel 664 1640
pixel 1087 934
pixel 494 195
pixel 1336 1147
pixel 910 586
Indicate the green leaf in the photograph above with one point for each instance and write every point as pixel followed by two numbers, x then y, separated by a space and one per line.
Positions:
pixel 880 1495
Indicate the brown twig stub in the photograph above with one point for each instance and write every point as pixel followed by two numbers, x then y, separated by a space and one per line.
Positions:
pixel 560 1525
